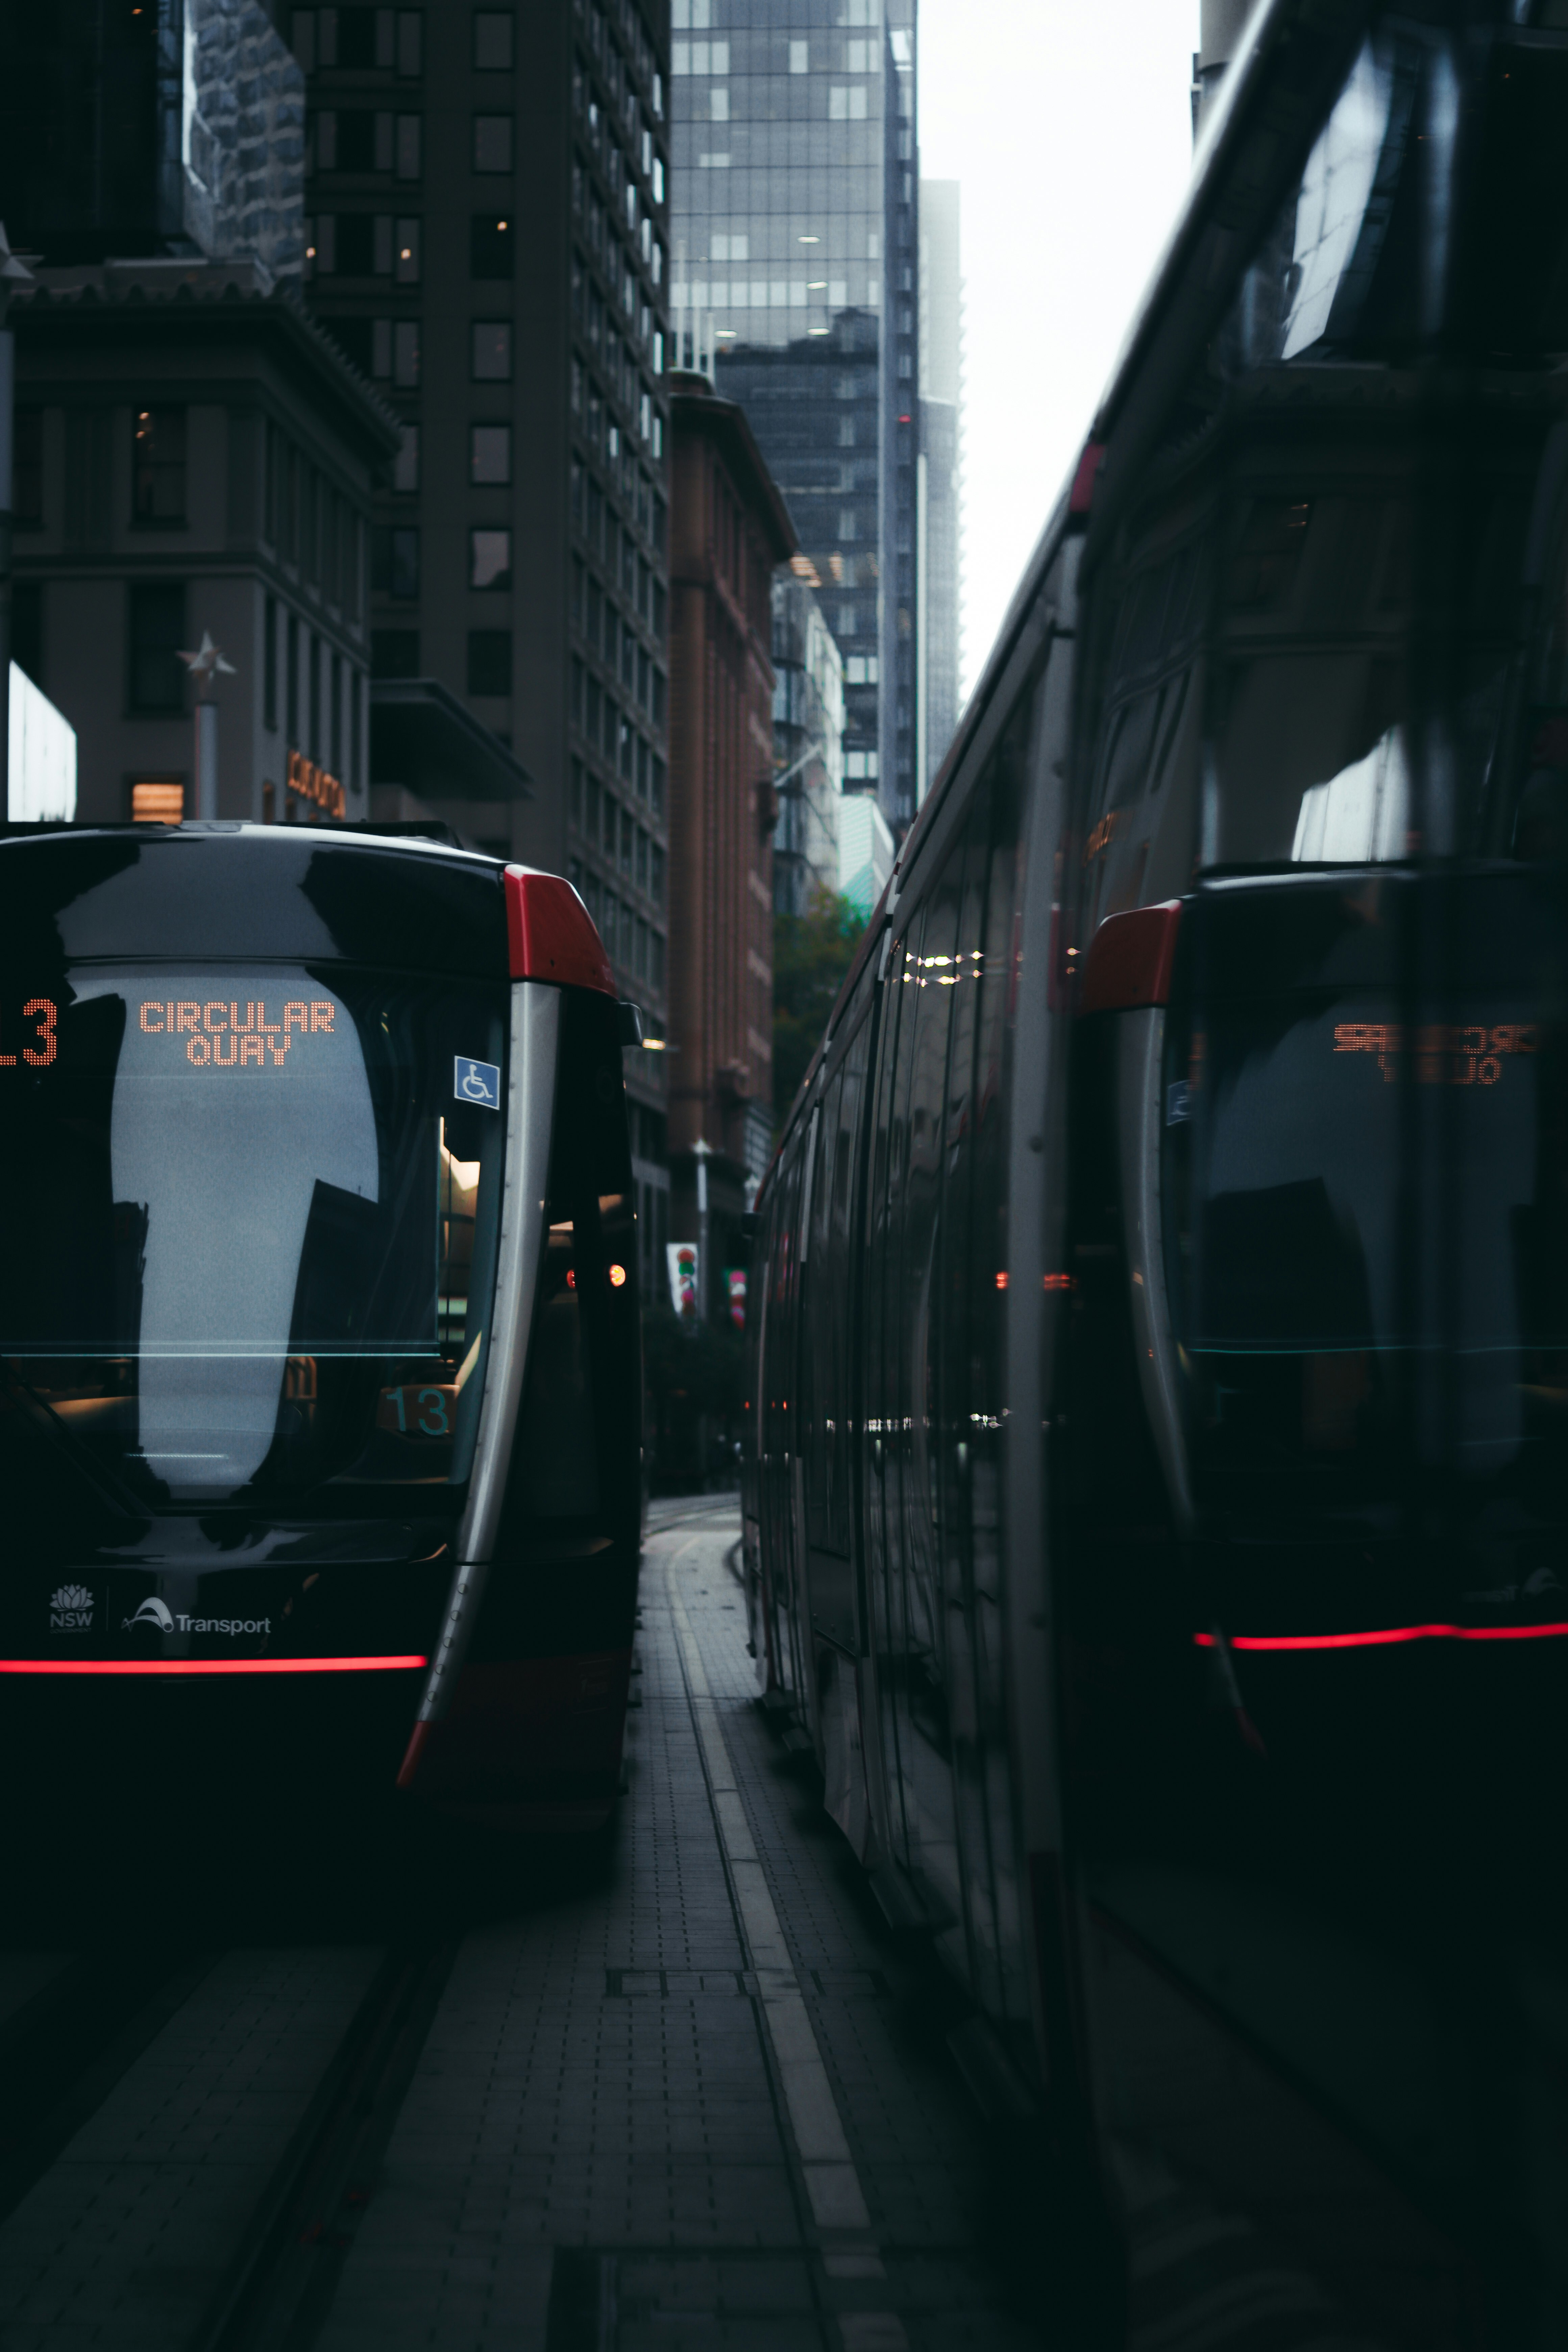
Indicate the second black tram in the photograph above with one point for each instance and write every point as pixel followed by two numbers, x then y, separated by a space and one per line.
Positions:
pixel 1155 1504
pixel 320 1361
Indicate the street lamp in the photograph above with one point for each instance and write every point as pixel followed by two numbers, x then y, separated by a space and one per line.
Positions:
pixel 206 664
pixel 702 1152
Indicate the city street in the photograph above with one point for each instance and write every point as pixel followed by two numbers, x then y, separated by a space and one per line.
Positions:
pixel 475 2093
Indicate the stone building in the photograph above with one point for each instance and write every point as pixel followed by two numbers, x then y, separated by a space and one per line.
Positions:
pixel 194 456
pixel 730 531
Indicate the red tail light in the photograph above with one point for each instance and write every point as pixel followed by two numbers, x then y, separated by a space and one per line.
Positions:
pixel 551 934
pixel 1129 959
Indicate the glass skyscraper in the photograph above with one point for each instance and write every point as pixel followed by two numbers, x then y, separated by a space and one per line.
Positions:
pixel 794 236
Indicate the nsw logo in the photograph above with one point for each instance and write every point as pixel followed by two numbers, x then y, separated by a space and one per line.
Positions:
pixel 151 1612
pixel 71 1609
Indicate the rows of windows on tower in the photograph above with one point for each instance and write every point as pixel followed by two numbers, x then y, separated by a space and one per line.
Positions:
pixel 379 216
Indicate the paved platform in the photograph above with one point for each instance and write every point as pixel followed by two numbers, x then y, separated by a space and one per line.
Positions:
pixel 685 2106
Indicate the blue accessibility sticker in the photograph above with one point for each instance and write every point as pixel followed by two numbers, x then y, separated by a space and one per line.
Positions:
pixel 476 1082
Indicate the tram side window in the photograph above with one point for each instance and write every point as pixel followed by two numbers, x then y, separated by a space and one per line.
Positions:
pixel 820 1367
pixel 583 1375
pixel 830 1368
pixel 1140 828
pixel 886 1404
pixel 917 1629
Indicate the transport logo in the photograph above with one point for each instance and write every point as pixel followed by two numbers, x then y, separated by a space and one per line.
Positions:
pixel 71 1609
pixel 151 1612
pixel 154 1612
pixel 476 1082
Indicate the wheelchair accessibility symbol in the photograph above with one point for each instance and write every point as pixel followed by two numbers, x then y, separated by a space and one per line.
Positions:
pixel 476 1082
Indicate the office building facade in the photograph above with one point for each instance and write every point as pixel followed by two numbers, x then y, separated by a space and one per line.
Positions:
pixel 808 746
pixel 940 500
pixel 488 242
pixel 795 234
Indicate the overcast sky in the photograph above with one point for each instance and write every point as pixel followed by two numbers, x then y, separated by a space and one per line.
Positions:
pixel 1069 126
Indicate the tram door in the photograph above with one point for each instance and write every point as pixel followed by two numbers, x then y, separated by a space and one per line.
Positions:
pixel 906 1605
pixel 828 1372
pixel 778 1404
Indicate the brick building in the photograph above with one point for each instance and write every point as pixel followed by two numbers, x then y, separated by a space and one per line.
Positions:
pixel 730 530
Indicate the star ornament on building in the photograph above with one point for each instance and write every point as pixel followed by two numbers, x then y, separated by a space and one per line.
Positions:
pixel 207 661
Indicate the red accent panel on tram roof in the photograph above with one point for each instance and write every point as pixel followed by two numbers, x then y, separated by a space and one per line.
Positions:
pixel 1081 496
pixel 1129 959
pixel 1381 1636
pixel 211 1665
pixel 551 933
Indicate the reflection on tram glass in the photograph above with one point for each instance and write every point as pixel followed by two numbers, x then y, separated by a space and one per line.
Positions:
pixel 1465 1056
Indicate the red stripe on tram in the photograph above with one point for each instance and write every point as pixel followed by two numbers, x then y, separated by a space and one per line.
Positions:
pixel 211 1665
pixel 1379 1637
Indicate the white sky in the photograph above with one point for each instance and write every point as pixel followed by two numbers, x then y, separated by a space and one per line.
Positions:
pixel 1068 124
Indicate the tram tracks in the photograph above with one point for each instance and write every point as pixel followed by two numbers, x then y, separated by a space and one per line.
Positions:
pixel 63 2050
pixel 277 2256
pixel 280 2283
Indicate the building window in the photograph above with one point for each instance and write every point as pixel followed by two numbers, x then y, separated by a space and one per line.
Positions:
pixel 395 652
pixel 27 628
pixel 406 253
pixel 349 250
pixel 269 664
pixel 405 465
pixel 489 453
pixel 492 40
pixel 410 42
pixel 406 354
pixel 157 800
pixel 492 351
pixel 157 633
pixel 492 143
pixel 292 681
pixel 395 563
pixel 490 661
pixel 799 58
pixel 490 558
pixel 491 243
pixel 158 465
pixel 27 469
pixel 407 164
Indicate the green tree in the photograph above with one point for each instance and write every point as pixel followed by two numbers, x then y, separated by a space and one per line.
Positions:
pixel 812 952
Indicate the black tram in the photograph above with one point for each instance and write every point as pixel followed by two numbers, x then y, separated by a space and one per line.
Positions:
pixel 319 1363
pixel 1161 1322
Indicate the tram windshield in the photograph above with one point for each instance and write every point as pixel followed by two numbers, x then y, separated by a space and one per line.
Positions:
pixel 254 1214
pixel 1368 1176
